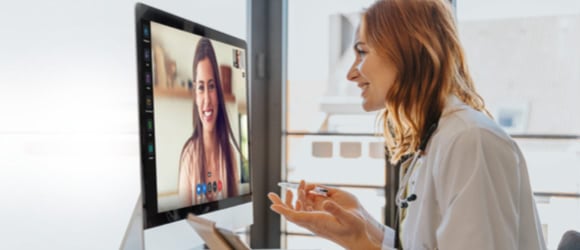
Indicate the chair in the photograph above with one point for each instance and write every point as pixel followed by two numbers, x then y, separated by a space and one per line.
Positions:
pixel 570 241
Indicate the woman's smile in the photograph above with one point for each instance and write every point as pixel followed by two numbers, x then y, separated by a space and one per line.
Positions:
pixel 208 114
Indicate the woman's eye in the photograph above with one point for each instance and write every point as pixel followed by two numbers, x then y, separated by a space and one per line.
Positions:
pixel 211 86
pixel 361 52
pixel 200 87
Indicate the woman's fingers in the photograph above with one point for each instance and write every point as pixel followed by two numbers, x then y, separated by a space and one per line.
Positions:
pixel 289 214
pixel 310 201
pixel 309 187
pixel 307 204
pixel 289 196
pixel 305 219
pixel 275 198
pixel 301 195
pixel 302 191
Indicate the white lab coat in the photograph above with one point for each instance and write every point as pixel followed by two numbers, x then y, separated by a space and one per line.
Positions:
pixel 473 189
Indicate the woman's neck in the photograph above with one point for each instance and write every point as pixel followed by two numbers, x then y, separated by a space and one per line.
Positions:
pixel 210 144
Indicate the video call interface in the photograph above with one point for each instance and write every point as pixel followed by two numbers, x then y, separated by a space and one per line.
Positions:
pixel 196 117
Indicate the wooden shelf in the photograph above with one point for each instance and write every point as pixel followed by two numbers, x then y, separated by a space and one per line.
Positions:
pixel 173 92
pixel 229 97
pixel 184 93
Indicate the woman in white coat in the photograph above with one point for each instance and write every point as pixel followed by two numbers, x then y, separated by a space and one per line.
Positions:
pixel 465 184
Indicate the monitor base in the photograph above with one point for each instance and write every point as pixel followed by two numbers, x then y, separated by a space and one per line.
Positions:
pixel 179 234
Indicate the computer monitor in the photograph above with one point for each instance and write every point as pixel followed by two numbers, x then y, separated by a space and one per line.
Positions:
pixel 193 122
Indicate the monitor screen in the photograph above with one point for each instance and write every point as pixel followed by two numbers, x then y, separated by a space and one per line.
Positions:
pixel 193 111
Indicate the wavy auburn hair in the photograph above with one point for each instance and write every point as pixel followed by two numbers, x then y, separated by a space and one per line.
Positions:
pixel 420 38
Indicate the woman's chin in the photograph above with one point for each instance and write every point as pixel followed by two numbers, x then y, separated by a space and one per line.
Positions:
pixel 370 107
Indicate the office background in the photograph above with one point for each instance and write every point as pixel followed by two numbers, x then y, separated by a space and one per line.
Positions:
pixel 69 167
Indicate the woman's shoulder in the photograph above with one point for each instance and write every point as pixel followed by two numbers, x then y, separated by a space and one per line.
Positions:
pixel 468 137
pixel 470 122
pixel 189 148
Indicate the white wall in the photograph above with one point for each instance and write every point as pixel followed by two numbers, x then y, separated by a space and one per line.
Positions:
pixel 69 170
pixel 309 37
pixel 533 61
pixel 526 53
pixel 499 9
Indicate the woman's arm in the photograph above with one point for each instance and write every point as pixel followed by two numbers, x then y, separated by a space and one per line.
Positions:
pixel 236 170
pixel 185 177
pixel 379 233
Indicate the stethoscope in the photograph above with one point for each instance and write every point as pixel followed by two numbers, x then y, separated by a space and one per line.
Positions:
pixel 401 200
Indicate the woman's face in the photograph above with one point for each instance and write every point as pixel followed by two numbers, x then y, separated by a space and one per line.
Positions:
pixel 374 74
pixel 206 95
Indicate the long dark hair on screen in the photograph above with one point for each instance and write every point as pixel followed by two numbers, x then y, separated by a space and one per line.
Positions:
pixel 223 130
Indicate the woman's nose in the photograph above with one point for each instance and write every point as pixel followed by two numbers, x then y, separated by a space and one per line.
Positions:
pixel 352 74
pixel 206 97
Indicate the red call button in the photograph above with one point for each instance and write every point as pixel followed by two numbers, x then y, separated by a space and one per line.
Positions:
pixel 219 185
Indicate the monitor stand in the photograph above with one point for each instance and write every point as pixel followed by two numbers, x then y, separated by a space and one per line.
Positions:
pixel 133 238
pixel 204 231
pixel 157 238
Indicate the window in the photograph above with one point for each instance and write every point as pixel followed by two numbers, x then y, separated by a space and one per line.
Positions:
pixel 329 138
pixel 524 57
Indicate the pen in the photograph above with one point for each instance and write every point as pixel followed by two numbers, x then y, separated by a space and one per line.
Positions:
pixel 317 190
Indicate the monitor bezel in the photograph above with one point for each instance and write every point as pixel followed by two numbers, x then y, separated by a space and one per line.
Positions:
pixel 151 218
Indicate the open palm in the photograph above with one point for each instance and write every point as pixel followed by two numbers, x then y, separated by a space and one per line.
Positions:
pixel 346 228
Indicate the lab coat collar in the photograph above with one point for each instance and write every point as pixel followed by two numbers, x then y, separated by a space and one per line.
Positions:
pixel 452 105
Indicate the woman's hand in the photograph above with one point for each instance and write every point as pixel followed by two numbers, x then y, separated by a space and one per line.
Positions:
pixel 325 216
pixel 309 200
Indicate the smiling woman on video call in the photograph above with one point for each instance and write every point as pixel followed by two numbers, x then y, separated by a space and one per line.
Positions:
pixel 207 158
pixel 463 180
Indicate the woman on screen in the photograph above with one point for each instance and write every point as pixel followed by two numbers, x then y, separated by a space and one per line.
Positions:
pixel 207 166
